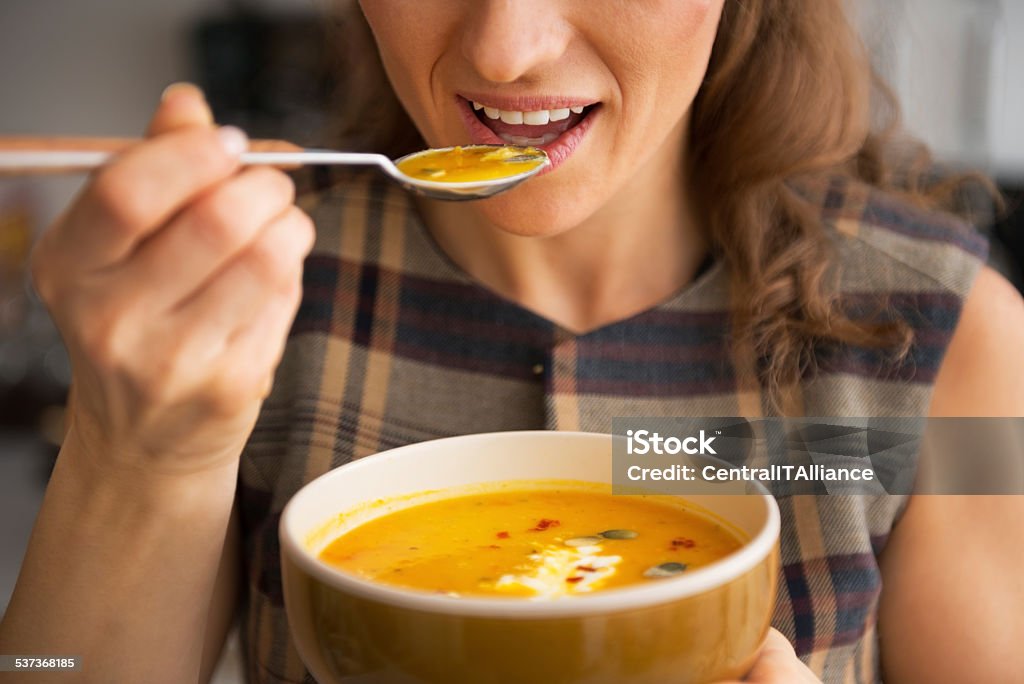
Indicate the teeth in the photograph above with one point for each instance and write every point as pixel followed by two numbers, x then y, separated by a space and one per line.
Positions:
pixel 537 118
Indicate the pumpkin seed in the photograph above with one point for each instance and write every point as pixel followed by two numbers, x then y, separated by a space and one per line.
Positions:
pixel 665 570
pixel 619 534
pixel 433 173
pixel 582 541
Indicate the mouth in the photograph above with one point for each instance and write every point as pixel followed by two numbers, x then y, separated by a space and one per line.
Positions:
pixel 556 126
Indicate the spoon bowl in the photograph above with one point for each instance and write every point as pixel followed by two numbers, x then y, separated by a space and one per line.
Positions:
pixel 474 189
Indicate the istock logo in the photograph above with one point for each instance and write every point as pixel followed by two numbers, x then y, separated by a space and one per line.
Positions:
pixel 643 442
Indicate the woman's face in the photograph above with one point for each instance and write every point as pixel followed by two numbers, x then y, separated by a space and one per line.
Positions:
pixel 604 86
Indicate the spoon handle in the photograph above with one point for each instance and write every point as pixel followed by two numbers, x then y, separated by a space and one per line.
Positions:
pixel 28 155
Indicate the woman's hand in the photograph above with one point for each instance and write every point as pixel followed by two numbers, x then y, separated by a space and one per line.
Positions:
pixel 174 278
pixel 778 664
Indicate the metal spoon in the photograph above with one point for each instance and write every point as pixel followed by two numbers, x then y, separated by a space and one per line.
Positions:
pixel 31 156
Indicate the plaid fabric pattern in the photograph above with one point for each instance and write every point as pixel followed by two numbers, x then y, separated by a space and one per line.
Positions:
pixel 394 344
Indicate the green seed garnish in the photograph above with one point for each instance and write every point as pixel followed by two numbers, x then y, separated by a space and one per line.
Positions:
pixel 433 173
pixel 665 570
pixel 619 534
pixel 582 541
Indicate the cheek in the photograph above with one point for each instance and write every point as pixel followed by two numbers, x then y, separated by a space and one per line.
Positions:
pixel 397 24
pixel 660 57
pixel 407 53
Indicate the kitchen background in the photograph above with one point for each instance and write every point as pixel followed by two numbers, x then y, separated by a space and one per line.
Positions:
pixel 97 67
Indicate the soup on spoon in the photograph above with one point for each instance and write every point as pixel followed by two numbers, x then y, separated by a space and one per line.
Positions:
pixel 472 164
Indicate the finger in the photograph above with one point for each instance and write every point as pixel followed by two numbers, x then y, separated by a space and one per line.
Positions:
pixel 263 344
pixel 252 354
pixel 182 105
pixel 138 192
pixel 778 662
pixel 208 234
pixel 196 353
pixel 272 265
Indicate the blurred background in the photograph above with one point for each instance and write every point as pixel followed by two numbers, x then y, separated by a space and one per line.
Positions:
pixel 97 67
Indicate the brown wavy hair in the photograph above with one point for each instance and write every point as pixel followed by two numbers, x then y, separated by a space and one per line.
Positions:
pixel 790 96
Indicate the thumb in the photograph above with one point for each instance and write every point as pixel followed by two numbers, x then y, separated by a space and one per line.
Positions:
pixel 778 663
pixel 182 105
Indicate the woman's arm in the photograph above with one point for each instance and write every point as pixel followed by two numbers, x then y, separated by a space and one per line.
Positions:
pixel 952 607
pixel 120 571
pixel 173 278
pixel 224 605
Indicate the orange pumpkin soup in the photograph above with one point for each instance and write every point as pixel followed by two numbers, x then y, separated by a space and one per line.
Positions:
pixel 541 543
pixel 472 164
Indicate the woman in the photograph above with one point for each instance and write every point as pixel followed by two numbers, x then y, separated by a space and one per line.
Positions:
pixel 713 240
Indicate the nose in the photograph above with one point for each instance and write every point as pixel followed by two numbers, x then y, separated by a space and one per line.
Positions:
pixel 505 40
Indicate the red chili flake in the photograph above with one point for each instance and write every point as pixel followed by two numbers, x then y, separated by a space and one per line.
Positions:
pixel 502 535
pixel 545 523
pixel 573 580
pixel 586 568
pixel 684 542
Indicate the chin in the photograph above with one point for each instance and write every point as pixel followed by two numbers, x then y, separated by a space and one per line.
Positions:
pixel 536 209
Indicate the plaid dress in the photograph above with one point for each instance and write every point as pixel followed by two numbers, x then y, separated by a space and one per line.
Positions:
pixel 394 344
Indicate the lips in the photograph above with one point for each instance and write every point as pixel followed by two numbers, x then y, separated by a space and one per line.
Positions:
pixel 558 138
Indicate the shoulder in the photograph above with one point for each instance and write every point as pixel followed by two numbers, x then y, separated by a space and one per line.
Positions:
pixel 930 266
pixel 355 189
pixel 367 228
pixel 983 372
pixel 356 213
pixel 885 241
pixel 929 616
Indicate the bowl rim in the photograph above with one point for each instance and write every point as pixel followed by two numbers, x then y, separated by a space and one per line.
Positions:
pixel 620 599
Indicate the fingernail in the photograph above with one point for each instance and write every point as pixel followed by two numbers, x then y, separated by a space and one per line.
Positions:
pixel 234 140
pixel 175 88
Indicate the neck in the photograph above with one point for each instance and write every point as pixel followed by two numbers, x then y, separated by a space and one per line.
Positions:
pixel 636 251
